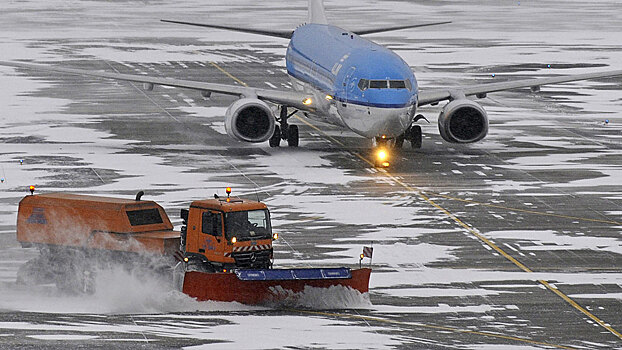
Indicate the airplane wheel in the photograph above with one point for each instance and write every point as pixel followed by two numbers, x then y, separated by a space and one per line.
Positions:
pixel 275 140
pixel 292 136
pixel 415 137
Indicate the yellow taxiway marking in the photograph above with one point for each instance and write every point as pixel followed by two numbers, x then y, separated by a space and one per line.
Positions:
pixel 228 74
pixel 461 223
pixel 423 325
pixel 484 239
pixel 510 258
pixel 497 206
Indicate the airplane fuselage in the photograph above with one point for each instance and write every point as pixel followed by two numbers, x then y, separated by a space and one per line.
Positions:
pixel 359 84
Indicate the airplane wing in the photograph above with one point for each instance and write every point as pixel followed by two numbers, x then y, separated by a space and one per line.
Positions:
pixel 389 29
pixel 286 34
pixel 433 96
pixel 293 99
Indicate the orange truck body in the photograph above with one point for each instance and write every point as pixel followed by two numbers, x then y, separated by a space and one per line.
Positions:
pixel 138 226
pixel 91 222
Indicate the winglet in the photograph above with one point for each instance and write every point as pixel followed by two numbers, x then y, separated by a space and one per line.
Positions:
pixel 316 12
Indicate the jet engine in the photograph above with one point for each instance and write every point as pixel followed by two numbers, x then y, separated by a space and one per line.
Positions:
pixel 250 120
pixel 463 121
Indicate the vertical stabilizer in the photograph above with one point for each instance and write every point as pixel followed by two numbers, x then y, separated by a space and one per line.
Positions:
pixel 316 12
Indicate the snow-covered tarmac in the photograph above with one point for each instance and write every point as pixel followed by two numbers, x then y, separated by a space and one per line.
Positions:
pixel 452 226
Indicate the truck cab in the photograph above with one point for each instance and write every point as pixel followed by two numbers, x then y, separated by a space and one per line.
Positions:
pixel 221 234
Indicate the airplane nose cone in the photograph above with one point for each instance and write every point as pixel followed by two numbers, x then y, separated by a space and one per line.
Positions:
pixel 375 121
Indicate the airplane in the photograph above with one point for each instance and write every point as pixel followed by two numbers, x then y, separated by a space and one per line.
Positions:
pixel 345 80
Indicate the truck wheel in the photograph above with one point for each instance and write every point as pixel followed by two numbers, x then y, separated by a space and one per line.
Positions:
pixel 76 281
pixel 73 274
pixel 35 271
pixel 69 283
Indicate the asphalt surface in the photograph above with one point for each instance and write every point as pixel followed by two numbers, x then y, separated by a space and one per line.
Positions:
pixel 516 239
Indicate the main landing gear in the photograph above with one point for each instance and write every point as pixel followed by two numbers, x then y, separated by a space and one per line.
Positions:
pixel 412 134
pixel 285 131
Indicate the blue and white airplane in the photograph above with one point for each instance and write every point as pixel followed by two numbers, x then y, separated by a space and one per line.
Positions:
pixel 343 79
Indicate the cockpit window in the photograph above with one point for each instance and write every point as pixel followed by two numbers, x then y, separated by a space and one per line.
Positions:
pixel 363 84
pixel 397 84
pixel 409 85
pixel 377 84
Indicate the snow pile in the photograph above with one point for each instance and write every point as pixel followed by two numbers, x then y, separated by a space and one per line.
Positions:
pixel 120 291
pixel 333 297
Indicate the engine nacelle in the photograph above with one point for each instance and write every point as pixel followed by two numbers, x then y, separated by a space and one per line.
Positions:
pixel 463 121
pixel 250 120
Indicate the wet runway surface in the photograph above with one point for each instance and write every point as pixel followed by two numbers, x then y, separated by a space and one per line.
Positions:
pixel 513 242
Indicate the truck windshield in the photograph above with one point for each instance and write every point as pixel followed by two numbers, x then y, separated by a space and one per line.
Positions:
pixel 247 225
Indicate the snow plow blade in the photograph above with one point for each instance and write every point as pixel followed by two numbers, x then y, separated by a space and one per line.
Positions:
pixel 261 286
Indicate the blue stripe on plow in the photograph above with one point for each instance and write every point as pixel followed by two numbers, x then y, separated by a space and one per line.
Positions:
pixel 293 274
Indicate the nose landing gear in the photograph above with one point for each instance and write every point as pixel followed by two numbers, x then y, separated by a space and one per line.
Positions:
pixel 380 151
pixel 285 131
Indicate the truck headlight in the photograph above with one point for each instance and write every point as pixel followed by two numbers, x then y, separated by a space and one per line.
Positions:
pixel 233 239
pixel 275 236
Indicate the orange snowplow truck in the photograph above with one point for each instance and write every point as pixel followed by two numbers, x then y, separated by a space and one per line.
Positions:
pixel 221 234
pixel 74 232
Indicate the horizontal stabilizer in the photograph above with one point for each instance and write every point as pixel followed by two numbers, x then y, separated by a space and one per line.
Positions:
pixel 286 34
pixel 388 29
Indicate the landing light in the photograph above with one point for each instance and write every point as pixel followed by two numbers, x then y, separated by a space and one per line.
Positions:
pixel 307 101
pixel 382 155
pixel 382 158
pixel 185 259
